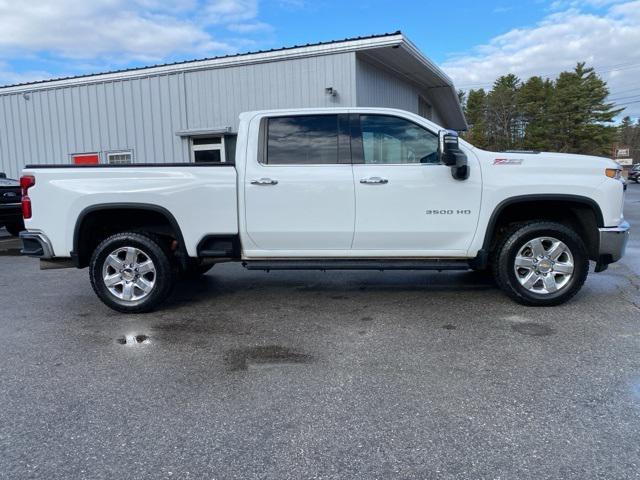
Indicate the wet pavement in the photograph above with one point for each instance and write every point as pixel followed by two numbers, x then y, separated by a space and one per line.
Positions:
pixel 294 375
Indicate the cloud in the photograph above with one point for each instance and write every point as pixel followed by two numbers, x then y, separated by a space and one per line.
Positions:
pixel 565 4
pixel 9 77
pixel 126 30
pixel 607 41
pixel 225 11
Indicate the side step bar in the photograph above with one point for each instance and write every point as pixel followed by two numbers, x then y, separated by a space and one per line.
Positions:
pixel 356 264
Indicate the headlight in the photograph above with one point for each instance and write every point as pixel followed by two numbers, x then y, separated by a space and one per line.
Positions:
pixel 613 173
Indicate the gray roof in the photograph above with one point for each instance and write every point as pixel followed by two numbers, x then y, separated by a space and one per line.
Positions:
pixel 187 62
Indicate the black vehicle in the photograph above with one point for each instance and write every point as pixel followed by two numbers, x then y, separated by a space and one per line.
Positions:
pixel 10 208
pixel 634 173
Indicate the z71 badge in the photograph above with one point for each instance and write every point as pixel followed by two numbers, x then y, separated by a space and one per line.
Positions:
pixel 508 161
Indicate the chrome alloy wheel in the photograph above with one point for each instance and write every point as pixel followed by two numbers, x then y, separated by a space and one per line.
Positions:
pixel 129 274
pixel 544 265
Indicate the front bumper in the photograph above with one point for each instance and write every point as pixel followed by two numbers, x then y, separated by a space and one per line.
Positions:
pixel 36 244
pixel 613 243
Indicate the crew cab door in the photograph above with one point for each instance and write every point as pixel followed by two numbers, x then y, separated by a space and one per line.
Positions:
pixel 299 192
pixel 407 202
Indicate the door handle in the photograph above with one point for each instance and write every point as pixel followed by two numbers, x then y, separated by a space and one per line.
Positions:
pixel 374 180
pixel 264 181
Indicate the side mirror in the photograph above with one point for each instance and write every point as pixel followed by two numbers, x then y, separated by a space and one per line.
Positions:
pixel 451 155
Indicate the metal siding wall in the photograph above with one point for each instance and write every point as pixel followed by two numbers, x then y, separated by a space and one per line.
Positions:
pixel 142 115
pixel 216 97
pixel 377 88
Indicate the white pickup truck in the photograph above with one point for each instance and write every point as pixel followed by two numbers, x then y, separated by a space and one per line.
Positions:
pixel 331 189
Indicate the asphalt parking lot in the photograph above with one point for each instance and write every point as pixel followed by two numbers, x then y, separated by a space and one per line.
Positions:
pixel 320 375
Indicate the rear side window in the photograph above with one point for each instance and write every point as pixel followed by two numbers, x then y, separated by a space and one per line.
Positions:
pixel 302 140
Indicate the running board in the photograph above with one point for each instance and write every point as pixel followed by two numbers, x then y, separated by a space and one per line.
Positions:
pixel 364 264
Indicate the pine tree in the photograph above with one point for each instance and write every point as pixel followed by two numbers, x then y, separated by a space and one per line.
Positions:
pixel 475 112
pixel 503 118
pixel 578 113
pixel 533 100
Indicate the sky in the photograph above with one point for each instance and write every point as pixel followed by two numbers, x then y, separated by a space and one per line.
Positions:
pixel 473 41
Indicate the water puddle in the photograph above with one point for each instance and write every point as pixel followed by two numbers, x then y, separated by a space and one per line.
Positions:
pixel 264 356
pixel 132 339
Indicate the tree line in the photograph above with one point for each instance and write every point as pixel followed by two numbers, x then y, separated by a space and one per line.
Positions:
pixel 629 136
pixel 566 114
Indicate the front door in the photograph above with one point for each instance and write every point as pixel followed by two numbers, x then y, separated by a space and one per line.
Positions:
pixel 299 195
pixel 407 203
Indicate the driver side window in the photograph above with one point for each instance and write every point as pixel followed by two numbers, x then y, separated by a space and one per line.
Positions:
pixel 393 140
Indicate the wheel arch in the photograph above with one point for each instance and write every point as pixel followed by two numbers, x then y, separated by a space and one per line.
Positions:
pixel 151 214
pixel 585 214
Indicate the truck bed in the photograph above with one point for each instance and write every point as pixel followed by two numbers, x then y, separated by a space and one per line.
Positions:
pixel 201 198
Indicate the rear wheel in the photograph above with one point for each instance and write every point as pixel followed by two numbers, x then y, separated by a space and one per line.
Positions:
pixel 541 264
pixel 131 272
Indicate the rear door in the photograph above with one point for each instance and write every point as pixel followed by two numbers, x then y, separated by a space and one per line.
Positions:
pixel 407 202
pixel 299 194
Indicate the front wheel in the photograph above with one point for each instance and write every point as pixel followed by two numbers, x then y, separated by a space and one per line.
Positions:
pixel 131 273
pixel 541 264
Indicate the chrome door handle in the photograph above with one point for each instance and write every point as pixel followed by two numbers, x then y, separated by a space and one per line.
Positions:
pixel 264 181
pixel 375 180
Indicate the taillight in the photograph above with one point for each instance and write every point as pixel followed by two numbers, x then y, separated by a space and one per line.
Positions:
pixel 26 182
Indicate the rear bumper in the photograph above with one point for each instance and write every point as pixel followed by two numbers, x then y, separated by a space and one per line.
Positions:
pixel 613 243
pixel 36 244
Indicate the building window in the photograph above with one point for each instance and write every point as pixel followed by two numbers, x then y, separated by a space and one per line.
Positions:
pixel 85 158
pixel 207 150
pixel 425 109
pixel 119 158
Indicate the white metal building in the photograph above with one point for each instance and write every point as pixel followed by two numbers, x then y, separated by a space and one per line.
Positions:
pixel 188 111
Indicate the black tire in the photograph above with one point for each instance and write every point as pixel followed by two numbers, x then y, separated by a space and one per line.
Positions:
pixel 14 228
pixel 150 247
pixel 195 269
pixel 503 264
